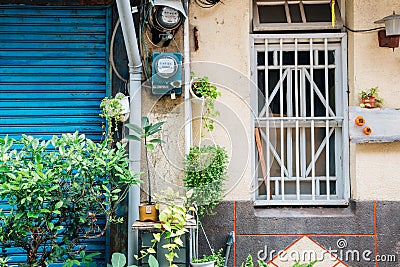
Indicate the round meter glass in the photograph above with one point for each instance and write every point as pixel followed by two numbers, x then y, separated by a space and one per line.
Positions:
pixel 166 66
pixel 168 17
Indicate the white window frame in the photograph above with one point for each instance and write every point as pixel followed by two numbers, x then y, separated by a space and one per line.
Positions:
pixel 335 122
pixel 304 25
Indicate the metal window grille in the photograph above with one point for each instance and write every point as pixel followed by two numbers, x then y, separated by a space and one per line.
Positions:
pixel 300 122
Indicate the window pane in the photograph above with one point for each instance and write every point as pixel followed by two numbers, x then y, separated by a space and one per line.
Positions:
pixel 260 58
pixel 318 12
pixel 272 14
pixel 295 13
pixel 303 58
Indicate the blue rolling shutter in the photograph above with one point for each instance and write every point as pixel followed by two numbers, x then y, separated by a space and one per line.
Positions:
pixel 53 75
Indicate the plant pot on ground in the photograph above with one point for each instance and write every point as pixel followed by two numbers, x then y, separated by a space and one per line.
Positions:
pixel 173 219
pixel 147 210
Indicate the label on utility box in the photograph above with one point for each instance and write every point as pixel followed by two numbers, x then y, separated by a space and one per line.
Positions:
pixel 148 209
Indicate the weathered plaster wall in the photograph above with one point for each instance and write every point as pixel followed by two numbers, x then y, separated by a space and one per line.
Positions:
pixel 374 167
pixel 223 56
pixel 166 160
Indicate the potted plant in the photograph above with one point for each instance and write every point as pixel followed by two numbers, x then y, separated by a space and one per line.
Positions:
pixel 369 98
pixel 215 259
pixel 114 110
pixel 173 219
pixel 205 172
pixel 202 88
pixel 147 211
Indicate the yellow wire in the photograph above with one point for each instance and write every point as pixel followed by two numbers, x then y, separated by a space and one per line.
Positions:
pixel 333 13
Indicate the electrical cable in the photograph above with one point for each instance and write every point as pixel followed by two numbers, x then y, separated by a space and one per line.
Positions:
pixel 114 68
pixel 176 44
pixel 366 30
pixel 145 54
pixel 207 3
pixel 151 42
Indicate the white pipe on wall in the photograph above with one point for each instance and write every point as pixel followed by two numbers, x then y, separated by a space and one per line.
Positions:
pixel 135 85
pixel 186 64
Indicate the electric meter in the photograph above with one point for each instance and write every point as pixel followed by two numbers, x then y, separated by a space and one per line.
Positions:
pixel 167 17
pixel 167 73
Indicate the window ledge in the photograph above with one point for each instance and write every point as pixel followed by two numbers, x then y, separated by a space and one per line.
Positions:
pixel 384 122
pixel 305 212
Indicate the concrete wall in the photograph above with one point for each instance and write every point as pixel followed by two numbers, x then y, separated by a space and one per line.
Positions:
pixel 224 57
pixel 374 168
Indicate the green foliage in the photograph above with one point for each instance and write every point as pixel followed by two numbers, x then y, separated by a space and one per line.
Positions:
pixel 204 89
pixel 57 190
pixel 248 262
pixel 86 260
pixel 173 219
pixel 205 172
pixel 309 264
pixel 4 261
pixel 144 133
pixel 119 260
pixel 217 257
pixel 111 110
pixel 262 264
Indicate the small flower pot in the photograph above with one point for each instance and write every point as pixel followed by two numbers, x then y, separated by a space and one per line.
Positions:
pixel 368 102
pixel 192 92
pixel 203 264
pixel 148 213
pixel 125 109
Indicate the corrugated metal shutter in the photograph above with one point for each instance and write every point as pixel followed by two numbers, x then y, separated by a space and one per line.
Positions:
pixel 53 74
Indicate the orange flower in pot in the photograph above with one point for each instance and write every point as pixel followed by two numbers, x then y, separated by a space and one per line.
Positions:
pixel 370 99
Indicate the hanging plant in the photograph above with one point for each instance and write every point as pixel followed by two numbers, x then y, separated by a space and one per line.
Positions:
pixel 208 93
pixel 114 110
pixel 205 172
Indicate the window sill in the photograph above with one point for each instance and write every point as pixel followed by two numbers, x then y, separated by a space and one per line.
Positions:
pixel 306 212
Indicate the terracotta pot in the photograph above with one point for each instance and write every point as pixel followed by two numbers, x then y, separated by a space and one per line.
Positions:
pixel 368 102
pixel 148 213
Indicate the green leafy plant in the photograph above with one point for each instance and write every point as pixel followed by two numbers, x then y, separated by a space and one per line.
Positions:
pixel 86 260
pixel 4 261
pixel 205 172
pixel 309 264
pixel 118 260
pixel 203 88
pixel 217 257
pixel 173 219
pixel 248 262
pixel 144 133
pixel 58 190
pixel 369 98
pixel 111 110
